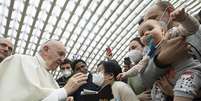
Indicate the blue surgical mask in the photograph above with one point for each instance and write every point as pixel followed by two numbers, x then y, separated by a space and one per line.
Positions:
pixel 150 48
pixel 98 78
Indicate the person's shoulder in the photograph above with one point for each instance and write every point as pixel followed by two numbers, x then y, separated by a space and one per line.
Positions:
pixel 15 57
pixel 22 58
pixel 119 84
pixel 19 56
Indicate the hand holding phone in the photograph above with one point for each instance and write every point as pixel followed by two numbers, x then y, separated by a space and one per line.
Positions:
pixel 109 53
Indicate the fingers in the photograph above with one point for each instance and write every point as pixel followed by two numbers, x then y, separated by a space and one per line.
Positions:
pixel 80 78
pixel 147 92
pixel 120 76
pixel 75 82
pixel 178 14
pixel 77 75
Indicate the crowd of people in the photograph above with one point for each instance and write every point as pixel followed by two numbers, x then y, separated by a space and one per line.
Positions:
pixel 162 64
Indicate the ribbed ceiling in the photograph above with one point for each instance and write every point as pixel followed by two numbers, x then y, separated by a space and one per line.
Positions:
pixel 86 27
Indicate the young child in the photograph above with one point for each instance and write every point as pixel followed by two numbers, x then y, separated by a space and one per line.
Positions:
pixel 187 78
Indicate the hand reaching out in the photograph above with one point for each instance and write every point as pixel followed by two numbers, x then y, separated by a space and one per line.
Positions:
pixel 178 15
pixel 75 82
pixel 121 76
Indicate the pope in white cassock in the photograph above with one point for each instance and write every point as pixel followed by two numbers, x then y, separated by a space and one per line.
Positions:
pixel 26 78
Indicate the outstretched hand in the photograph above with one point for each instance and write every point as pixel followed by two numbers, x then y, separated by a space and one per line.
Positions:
pixel 75 82
pixel 178 15
pixel 121 76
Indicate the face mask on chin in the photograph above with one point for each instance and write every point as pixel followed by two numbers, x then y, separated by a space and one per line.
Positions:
pixel 98 79
pixel 150 47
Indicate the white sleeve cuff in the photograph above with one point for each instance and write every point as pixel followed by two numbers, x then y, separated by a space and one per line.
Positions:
pixel 57 95
pixel 61 92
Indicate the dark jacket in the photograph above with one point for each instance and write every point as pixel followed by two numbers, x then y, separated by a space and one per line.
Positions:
pixel 62 81
pixel 90 86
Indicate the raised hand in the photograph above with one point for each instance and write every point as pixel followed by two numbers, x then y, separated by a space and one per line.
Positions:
pixel 121 76
pixel 178 15
pixel 75 82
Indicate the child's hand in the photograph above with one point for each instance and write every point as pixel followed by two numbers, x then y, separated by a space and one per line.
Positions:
pixel 178 15
pixel 121 76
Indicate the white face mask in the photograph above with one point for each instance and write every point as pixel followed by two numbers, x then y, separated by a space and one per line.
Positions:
pixel 66 73
pixel 98 79
pixel 135 56
pixel 161 20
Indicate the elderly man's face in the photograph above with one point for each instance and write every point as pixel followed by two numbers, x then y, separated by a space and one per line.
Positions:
pixel 55 54
pixel 6 48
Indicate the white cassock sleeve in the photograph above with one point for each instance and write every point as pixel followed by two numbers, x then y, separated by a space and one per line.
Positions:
pixel 57 95
pixel 24 78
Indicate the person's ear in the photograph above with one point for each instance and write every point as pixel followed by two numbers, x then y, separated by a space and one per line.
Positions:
pixel 45 48
pixel 111 76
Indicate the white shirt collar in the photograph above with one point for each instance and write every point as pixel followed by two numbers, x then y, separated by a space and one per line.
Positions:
pixel 41 61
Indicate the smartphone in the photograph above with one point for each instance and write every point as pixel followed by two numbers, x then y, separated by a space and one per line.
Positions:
pixel 109 51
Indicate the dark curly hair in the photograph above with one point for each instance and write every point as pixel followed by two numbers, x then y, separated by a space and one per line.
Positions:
pixel 76 62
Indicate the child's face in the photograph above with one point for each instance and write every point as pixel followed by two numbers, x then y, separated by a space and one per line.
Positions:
pixel 152 27
pixel 156 13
